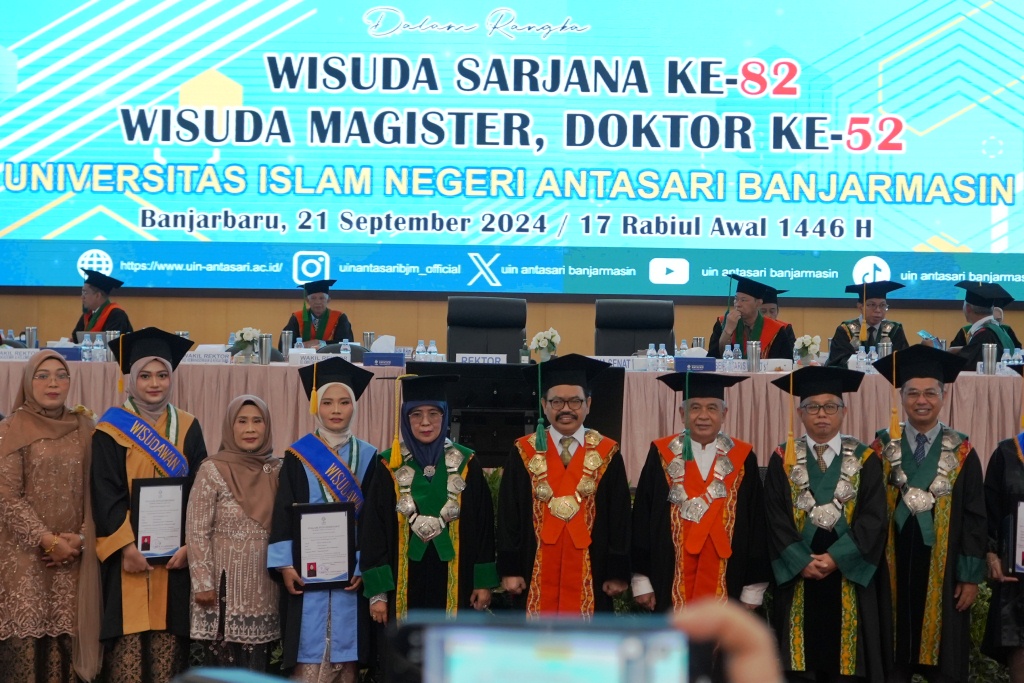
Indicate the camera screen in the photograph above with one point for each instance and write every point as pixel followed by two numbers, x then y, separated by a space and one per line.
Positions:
pixel 459 654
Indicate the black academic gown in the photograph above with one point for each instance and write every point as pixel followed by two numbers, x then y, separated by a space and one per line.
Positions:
pixel 294 489
pixel 342 331
pixel 428 578
pixel 961 337
pixel 842 347
pixel 117 320
pixel 609 548
pixel 972 352
pixel 782 345
pixel 968 537
pixel 1004 488
pixel 823 598
pixel 654 553
pixel 111 501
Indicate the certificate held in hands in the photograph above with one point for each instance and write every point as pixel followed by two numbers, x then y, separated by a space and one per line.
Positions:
pixel 324 544
pixel 158 517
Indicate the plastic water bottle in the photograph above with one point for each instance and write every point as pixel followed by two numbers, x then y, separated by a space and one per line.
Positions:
pixel 346 351
pixel 862 358
pixel 1018 357
pixel 662 358
pixel 737 359
pixel 683 348
pixel 872 357
pixel 10 334
pixel 421 351
pixel 87 349
pixel 99 350
pixel 298 343
pixel 524 353
pixel 727 358
pixel 231 340
pixel 1005 360
pixel 652 358
pixel 433 355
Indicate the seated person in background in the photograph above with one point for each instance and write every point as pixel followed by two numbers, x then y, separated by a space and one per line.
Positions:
pixel 997 314
pixel 99 313
pixel 770 302
pixel 983 329
pixel 316 325
pixel 744 322
pixel 870 328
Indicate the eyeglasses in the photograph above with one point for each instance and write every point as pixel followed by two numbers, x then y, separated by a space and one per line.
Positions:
pixel 877 307
pixel 45 377
pixel 430 415
pixel 829 408
pixel 930 394
pixel 559 403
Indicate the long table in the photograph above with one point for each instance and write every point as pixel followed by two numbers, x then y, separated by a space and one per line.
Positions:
pixel 986 408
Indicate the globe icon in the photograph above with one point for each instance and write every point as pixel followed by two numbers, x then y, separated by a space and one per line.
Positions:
pixel 95 259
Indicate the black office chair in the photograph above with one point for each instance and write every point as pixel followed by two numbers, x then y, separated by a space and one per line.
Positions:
pixel 624 326
pixel 357 350
pixel 483 324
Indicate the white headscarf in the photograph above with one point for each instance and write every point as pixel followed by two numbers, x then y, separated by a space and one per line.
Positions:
pixel 335 439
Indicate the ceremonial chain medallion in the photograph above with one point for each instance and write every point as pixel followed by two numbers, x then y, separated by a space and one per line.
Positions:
pixel 566 507
pixel 920 500
pixel 424 526
pixel 694 509
pixel 827 515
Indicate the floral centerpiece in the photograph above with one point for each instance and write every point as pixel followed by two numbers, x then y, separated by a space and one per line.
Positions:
pixel 807 347
pixel 245 342
pixel 545 343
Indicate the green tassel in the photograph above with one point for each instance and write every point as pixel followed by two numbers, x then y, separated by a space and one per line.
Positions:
pixel 540 443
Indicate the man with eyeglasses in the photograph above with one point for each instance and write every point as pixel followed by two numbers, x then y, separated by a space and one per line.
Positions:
pixel 564 505
pixel 744 322
pixel 698 514
pixel 99 313
pixel 825 502
pixel 868 329
pixel 938 533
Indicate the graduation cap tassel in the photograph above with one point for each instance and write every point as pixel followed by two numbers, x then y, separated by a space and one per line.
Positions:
pixel 120 355
pixel 540 441
pixel 864 316
pixel 395 461
pixel 314 399
pixel 687 446
pixel 790 454
pixel 895 431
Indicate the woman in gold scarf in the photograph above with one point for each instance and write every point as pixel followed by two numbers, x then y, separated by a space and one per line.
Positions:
pixel 235 611
pixel 49 587
pixel 145 621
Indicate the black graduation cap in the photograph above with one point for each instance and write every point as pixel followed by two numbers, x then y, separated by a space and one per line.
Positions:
pixel 102 282
pixel 873 290
pixel 987 294
pixel 572 369
pixel 701 384
pixel 334 370
pixel 149 341
pixel 814 380
pixel 426 387
pixel 771 295
pixel 744 285
pixel 920 361
pixel 317 286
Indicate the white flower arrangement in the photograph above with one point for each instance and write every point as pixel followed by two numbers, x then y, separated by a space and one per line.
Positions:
pixel 808 345
pixel 547 340
pixel 247 335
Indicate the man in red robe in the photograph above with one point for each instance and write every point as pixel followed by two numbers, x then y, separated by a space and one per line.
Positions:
pixel 563 506
pixel 315 324
pixel 744 322
pixel 99 313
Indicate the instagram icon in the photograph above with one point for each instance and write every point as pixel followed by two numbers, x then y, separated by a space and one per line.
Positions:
pixel 310 265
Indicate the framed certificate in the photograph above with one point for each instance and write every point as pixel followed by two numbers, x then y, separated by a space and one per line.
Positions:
pixel 324 544
pixel 158 517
